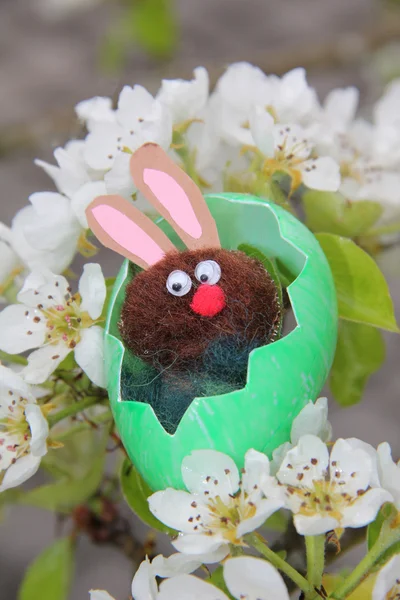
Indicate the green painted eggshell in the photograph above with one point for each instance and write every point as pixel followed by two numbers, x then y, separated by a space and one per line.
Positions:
pixel 282 376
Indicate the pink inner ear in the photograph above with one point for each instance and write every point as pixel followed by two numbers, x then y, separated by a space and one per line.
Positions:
pixel 127 234
pixel 174 199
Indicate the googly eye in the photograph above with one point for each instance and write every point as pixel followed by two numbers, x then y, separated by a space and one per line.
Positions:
pixel 208 271
pixel 178 283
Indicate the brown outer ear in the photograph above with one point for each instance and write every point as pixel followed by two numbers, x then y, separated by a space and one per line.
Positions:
pixel 134 217
pixel 152 156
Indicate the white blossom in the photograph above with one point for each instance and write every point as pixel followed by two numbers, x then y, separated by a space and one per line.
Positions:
pixel 243 87
pixel 313 420
pixel 254 579
pixel 23 430
pixel 334 118
pixel 55 322
pixel 286 149
pixel 245 577
pixel 11 266
pixel 94 110
pixel 326 492
pixel 219 508
pixel 144 584
pixel 46 233
pixel 49 232
pixel 139 118
pixel 389 472
pixel 185 99
pixel 70 173
pixel 387 584
pixel 368 152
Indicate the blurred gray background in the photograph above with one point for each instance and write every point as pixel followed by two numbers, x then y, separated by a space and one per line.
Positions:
pixel 49 64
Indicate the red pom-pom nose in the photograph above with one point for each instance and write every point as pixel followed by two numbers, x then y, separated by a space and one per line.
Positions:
pixel 208 301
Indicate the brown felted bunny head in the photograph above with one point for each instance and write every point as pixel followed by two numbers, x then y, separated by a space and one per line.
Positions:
pixel 182 302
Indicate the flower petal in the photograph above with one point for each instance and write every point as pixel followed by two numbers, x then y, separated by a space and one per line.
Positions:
pixel 101 145
pixel 9 261
pixel 341 104
pixel 261 127
pixel 389 472
pixel 95 109
pixel 92 288
pixel 118 179
pixel 350 465
pixel 177 509
pixel 176 564
pixel 39 429
pixel 312 419
pixel 156 127
pixel 42 287
pixel 70 173
pixel 365 508
pixel 83 196
pixel 24 468
pixel 265 509
pixel 18 329
pixel 185 99
pixel 89 354
pixel 254 579
pixel 144 586
pixel 201 543
pixel 256 470
pixel 325 176
pixel 305 463
pixel 43 362
pixel 134 104
pixel 355 444
pixel 100 595
pixel 188 587
pixel 314 525
pixel 9 445
pixel 179 564
pixel 10 381
pixel 278 455
pixel 386 579
pixel 29 229
pixel 212 472
pixel 54 224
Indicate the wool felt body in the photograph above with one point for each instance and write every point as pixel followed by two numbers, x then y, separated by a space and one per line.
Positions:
pixel 192 317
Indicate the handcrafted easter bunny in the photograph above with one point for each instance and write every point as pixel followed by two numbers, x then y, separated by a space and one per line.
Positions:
pixel 194 315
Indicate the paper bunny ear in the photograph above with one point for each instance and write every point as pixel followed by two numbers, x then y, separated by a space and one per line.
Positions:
pixel 175 196
pixel 122 227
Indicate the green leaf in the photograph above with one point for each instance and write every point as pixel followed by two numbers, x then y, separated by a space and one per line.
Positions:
pixel 331 213
pixel 362 292
pixel 154 26
pixel 66 494
pixel 136 491
pixel 49 576
pixel 360 351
